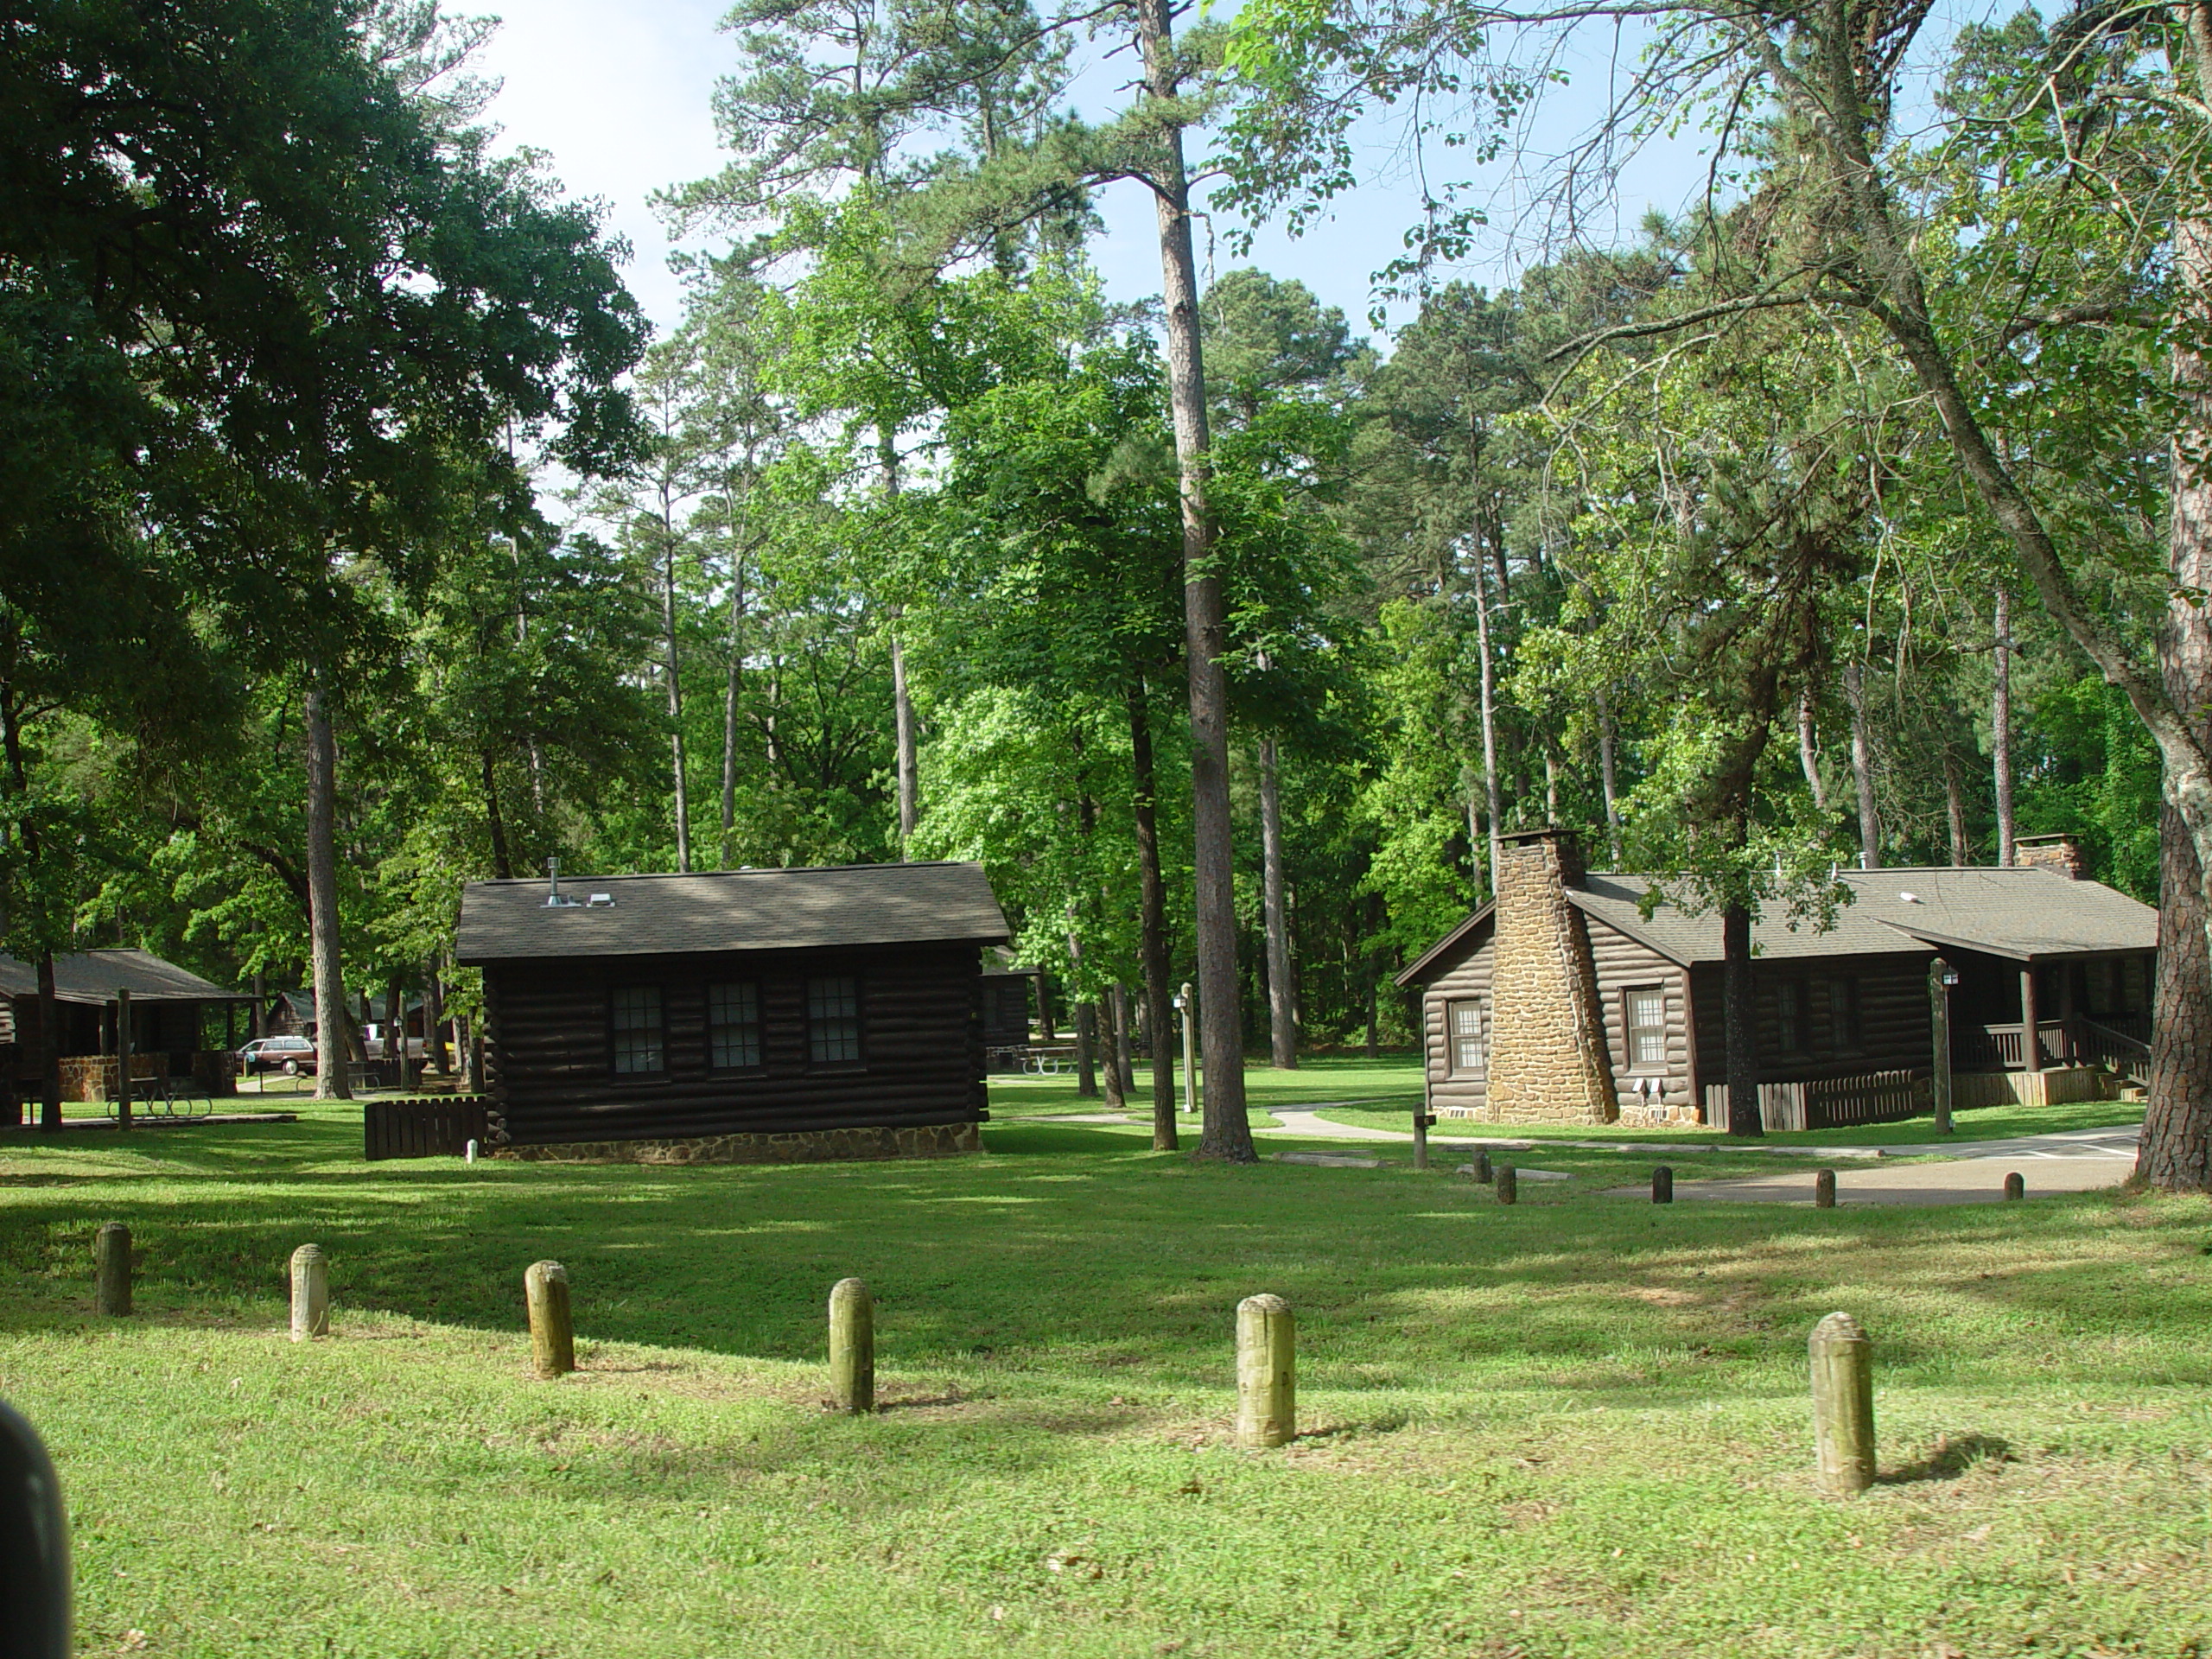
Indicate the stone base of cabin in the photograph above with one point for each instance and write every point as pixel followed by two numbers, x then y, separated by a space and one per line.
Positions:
pixel 805 1147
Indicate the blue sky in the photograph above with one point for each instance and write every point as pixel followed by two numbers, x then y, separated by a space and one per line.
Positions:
pixel 618 96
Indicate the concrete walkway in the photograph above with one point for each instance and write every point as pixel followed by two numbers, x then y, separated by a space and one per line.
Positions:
pixel 1970 1172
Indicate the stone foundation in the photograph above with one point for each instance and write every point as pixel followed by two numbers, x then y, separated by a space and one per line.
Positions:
pixel 805 1147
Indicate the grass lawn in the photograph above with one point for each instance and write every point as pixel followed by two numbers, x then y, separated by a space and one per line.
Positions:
pixel 1572 1427
pixel 1393 1082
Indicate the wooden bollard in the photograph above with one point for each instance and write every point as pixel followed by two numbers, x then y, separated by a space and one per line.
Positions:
pixel 1843 1405
pixel 111 1270
pixel 852 1347
pixel 310 1293
pixel 1509 1184
pixel 1267 1372
pixel 1824 1190
pixel 552 1328
pixel 1662 1185
pixel 2016 1185
pixel 1482 1165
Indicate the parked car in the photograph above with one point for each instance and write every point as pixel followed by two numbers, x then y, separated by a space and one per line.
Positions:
pixel 290 1055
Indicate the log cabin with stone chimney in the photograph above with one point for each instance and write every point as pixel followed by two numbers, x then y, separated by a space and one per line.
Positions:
pixel 1563 1001
pixel 737 1015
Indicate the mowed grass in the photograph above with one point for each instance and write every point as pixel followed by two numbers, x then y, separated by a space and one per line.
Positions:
pixel 1576 1427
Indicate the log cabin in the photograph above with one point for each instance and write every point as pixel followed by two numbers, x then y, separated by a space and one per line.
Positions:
pixel 182 1027
pixel 737 1015
pixel 1570 999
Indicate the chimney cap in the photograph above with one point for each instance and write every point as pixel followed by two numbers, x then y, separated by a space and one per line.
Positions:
pixel 1548 832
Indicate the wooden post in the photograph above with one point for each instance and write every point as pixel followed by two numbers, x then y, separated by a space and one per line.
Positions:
pixel 123 1058
pixel 1483 1171
pixel 552 1330
pixel 1422 1123
pixel 1267 1372
pixel 1824 1190
pixel 852 1347
pixel 1662 1185
pixel 310 1293
pixel 2031 1043
pixel 111 1270
pixel 2015 1186
pixel 1939 1023
pixel 1843 1405
pixel 1509 1185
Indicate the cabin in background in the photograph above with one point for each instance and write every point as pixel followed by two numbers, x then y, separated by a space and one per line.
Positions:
pixel 1007 989
pixel 736 1016
pixel 1563 1001
pixel 181 1026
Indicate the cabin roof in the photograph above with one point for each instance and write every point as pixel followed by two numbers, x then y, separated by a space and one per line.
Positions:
pixel 2025 912
pixel 94 976
pixel 730 910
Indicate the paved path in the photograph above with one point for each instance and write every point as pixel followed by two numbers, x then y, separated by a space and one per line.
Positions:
pixel 1970 1172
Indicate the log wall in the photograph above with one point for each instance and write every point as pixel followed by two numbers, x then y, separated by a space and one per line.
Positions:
pixel 1894 1031
pixel 550 1067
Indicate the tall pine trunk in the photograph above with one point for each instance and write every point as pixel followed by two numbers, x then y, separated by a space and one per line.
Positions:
pixel 1226 1131
pixel 1493 789
pixel 1152 920
pixel 2175 1152
pixel 2000 726
pixel 1282 1013
pixel 731 687
pixel 1740 1021
pixel 1808 751
pixel 1862 768
pixel 675 705
pixel 902 702
pixel 331 1016
pixel 1606 778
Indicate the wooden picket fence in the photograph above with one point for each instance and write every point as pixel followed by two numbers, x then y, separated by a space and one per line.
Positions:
pixel 430 1126
pixel 1833 1103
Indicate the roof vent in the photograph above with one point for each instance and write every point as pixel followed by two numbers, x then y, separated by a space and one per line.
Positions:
pixel 1909 897
pixel 553 898
pixel 601 899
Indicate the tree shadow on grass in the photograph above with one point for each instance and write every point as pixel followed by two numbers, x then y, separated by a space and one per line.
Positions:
pixel 1952 1455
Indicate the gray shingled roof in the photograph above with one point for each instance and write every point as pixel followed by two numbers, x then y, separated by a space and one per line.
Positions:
pixel 731 910
pixel 92 976
pixel 2023 912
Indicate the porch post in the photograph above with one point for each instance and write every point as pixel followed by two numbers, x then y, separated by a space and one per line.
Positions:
pixel 2031 1049
pixel 2071 1038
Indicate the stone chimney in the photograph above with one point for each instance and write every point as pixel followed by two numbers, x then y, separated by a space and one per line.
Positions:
pixel 2061 853
pixel 1547 1061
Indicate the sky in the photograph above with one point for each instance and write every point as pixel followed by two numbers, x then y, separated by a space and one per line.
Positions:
pixel 619 96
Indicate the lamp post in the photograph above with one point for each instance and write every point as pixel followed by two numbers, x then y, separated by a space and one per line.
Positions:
pixel 1184 1002
pixel 1941 977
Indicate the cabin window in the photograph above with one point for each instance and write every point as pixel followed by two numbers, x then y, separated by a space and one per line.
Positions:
pixel 1463 1033
pixel 1789 1014
pixel 1845 1027
pixel 1647 1027
pixel 639 1043
pixel 833 1021
pixel 733 1026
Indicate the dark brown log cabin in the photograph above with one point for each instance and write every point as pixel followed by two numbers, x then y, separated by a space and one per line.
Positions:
pixel 1565 1002
pixel 740 1014
pixel 176 1020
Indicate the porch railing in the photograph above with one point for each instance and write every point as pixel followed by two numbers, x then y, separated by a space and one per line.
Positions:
pixel 1999 1048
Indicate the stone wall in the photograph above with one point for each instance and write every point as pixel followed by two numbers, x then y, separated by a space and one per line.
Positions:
pixel 1546 1061
pixel 808 1147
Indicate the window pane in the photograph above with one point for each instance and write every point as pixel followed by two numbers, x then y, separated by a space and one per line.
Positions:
pixel 733 1026
pixel 1462 1023
pixel 1646 1028
pixel 833 1020
pixel 637 1029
